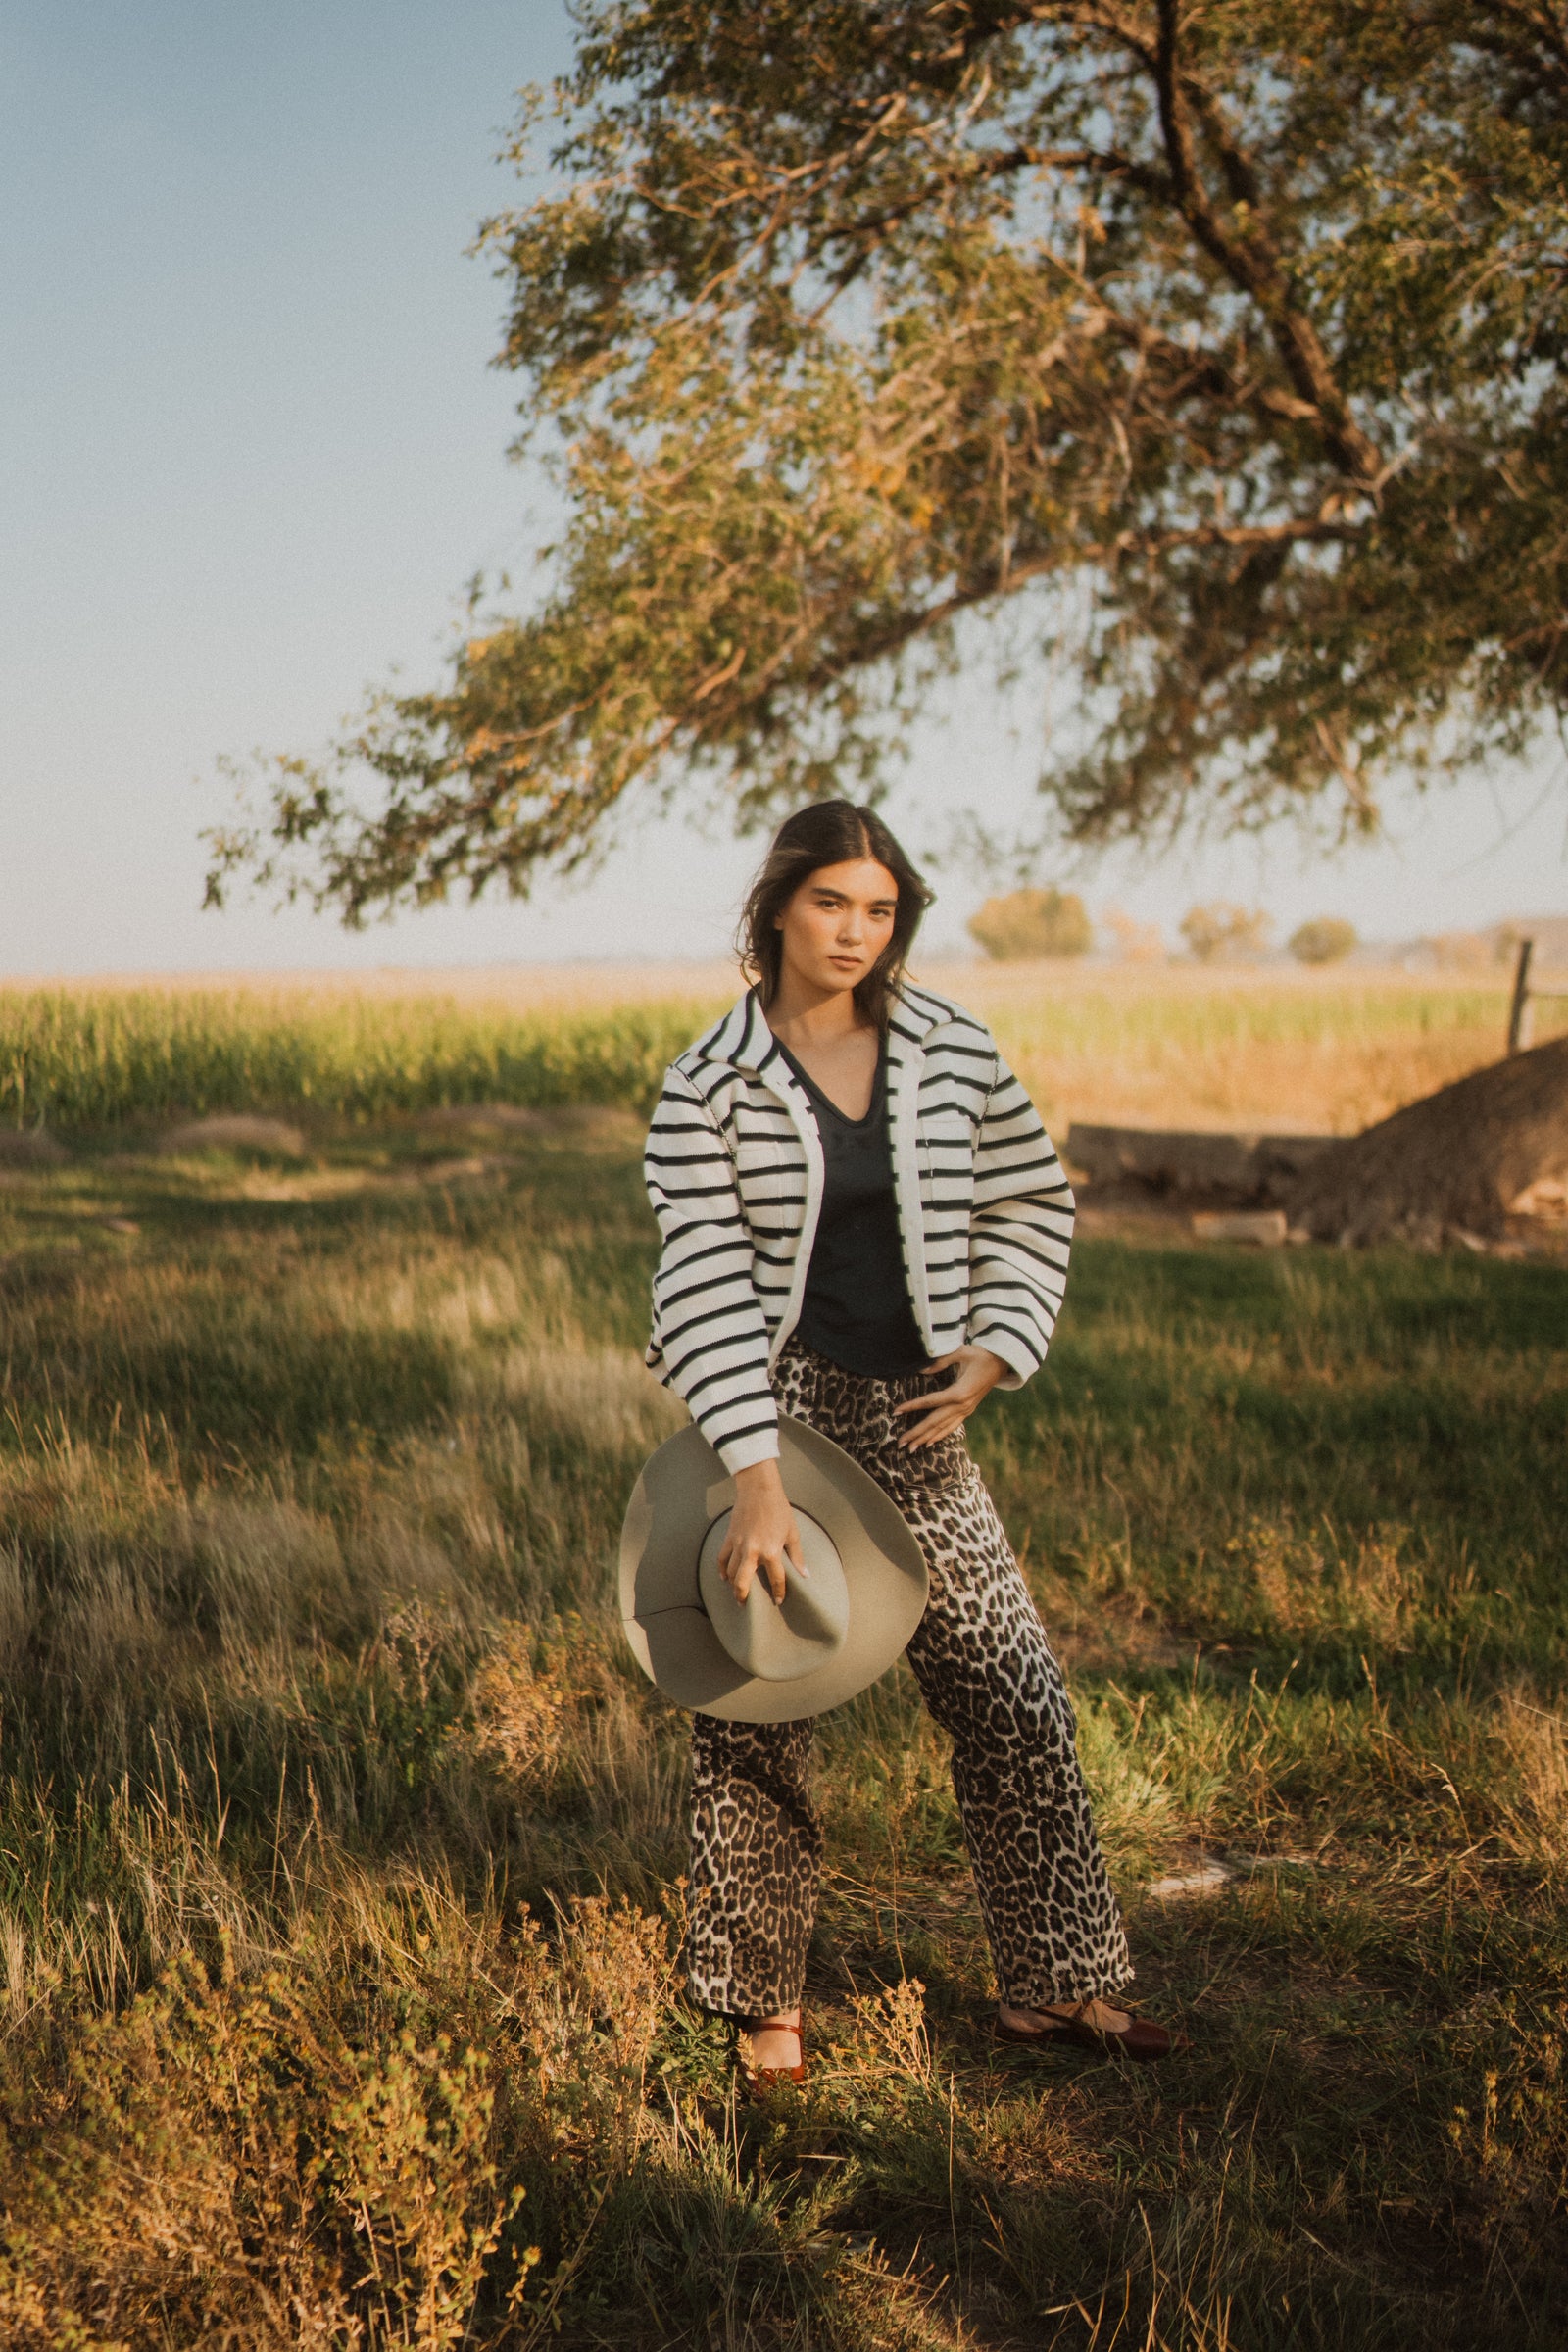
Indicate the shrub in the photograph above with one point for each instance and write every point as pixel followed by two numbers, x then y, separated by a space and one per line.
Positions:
pixel 1327 939
pixel 1135 942
pixel 1459 950
pixel 1032 922
pixel 224 2164
pixel 1220 933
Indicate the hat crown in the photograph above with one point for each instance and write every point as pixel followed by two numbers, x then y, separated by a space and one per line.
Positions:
pixel 855 1542
pixel 779 1641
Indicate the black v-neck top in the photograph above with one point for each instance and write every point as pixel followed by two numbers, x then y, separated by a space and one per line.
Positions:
pixel 856 1309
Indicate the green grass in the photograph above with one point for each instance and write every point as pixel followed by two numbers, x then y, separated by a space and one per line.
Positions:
pixel 340 1841
pixel 83 1057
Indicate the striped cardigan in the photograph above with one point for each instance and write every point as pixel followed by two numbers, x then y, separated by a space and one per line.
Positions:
pixel 734 1171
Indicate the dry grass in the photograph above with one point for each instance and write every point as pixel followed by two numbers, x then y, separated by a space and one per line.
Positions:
pixel 340 1841
pixel 1174 1045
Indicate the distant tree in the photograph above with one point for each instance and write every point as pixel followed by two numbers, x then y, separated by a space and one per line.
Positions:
pixel 1550 933
pixel 1327 939
pixel 1135 942
pixel 1459 950
pixel 1220 933
pixel 1032 922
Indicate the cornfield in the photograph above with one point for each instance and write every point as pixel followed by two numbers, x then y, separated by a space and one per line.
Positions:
pixel 86 1059
pixel 1165 1046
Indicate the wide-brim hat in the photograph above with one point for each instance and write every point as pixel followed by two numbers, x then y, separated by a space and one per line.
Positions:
pixel 760 1660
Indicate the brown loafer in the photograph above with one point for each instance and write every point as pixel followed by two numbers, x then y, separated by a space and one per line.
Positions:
pixel 758 2081
pixel 1138 2039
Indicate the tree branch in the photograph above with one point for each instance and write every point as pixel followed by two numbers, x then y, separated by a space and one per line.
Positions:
pixel 1253 265
pixel 1147 546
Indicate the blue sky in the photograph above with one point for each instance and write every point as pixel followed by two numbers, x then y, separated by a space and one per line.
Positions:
pixel 251 448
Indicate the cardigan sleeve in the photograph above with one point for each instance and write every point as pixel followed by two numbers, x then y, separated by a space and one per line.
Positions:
pixel 1021 1231
pixel 710 1341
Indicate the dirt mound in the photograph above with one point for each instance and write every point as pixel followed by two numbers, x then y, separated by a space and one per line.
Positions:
pixel 1453 1163
pixel 30 1147
pixel 236 1132
pixel 1245 1165
pixel 516 1118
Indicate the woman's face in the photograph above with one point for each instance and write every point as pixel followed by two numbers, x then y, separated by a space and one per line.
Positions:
pixel 837 924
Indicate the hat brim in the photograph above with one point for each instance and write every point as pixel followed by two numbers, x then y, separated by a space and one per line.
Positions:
pixel 682 1489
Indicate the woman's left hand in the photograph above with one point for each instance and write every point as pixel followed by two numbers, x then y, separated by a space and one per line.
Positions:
pixel 978 1374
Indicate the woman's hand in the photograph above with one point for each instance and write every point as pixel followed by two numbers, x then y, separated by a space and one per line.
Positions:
pixel 763 1533
pixel 978 1374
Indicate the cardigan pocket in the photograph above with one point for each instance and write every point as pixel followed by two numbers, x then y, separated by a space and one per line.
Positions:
pixel 945 1154
pixel 766 1155
pixel 770 1173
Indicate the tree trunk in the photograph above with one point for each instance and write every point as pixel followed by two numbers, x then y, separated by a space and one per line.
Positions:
pixel 1452 1162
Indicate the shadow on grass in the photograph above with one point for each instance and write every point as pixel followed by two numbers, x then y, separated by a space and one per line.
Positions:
pixel 307 1518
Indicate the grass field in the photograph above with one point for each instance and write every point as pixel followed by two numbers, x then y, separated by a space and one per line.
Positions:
pixel 340 1841
pixel 1165 1046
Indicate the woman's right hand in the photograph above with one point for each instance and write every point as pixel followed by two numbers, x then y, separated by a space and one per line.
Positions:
pixel 762 1534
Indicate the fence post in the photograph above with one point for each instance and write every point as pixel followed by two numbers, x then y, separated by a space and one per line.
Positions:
pixel 1519 1010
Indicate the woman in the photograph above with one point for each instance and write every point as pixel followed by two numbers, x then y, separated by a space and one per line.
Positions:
pixel 864 1225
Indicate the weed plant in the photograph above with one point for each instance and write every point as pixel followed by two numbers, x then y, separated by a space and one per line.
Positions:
pixel 340 1840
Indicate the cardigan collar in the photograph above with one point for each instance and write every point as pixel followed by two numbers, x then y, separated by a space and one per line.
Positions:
pixel 745 1041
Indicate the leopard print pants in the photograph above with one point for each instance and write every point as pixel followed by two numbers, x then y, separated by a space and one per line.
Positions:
pixel 985 1672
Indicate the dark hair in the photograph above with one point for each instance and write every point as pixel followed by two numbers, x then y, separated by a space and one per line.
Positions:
pixel 829 833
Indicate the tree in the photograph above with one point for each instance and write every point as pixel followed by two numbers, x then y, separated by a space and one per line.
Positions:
pixel 1223 344
pixel 1135 942
pixel 1032 922
pixel 1220 933
pixel 1327 939
pixel 1459 950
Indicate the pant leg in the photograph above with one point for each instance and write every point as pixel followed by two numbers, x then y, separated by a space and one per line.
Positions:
pixel 987 1673
pixel 755 1866
pixel 755 1855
